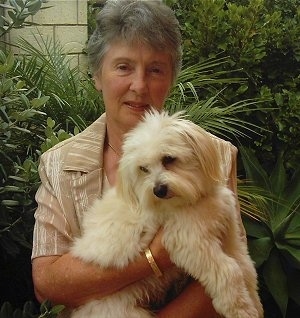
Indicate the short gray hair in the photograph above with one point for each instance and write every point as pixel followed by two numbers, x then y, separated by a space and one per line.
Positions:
pixel 150 22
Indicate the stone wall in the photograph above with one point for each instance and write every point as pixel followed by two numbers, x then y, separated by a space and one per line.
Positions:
pixel 64 21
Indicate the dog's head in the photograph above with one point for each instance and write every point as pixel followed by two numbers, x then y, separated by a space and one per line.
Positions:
pixel 168 160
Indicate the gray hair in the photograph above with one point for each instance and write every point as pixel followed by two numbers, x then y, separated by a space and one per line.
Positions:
pixel 150 22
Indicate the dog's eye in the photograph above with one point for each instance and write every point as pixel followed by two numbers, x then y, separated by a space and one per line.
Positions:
pixel 166 160
pixel 144 169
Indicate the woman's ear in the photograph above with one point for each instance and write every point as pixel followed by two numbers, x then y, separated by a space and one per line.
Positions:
pixel 97 82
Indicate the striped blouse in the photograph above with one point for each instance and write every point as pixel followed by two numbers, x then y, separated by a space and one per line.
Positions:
pixel 72 178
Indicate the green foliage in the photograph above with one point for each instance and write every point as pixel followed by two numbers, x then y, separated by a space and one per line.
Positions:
pixel 17 13
pixel 23 128
pixel 25 132
pixel 54 135
pixel 20 117
pixel 261 38
pixel 73 97
pixel 30 310
pixel 200 91
pixel 274 239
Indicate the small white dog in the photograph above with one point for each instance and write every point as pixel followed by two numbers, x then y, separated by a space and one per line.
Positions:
pixel 170 175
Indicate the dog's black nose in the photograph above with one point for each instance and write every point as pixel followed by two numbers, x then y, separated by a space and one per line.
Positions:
pixel 160 190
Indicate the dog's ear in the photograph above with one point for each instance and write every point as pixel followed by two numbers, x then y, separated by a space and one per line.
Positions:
pixel 206 150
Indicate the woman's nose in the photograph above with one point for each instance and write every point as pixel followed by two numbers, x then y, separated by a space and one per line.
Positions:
pixel 139 83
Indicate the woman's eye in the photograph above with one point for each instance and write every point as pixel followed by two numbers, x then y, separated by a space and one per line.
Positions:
pixel 122 67
pixel 156 70
pixel 144 169
pixel 166 160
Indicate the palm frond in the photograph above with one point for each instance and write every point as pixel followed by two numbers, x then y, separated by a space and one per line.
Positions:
pixel 254 201
pixel 199 92
pixel 73 95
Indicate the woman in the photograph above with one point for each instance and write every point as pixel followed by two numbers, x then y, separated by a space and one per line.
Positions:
pixel 135 56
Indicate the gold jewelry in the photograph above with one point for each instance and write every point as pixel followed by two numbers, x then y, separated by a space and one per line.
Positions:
pixel 114 150
pixel 152 263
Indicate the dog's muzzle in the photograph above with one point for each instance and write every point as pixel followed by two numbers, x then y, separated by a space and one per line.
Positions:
pixel 161 190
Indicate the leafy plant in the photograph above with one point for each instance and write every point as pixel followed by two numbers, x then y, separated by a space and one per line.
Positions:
pixel 19 118
pixel 274 239
pixel 30 310
pixel 73 97
pixel 261 40
pixel 200 92
pixel 17 13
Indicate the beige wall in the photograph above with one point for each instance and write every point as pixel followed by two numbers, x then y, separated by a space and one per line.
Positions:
pixel 65 21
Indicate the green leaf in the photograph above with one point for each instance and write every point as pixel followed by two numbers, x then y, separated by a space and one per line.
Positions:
pixel 38 102
pixel 20 84
pixel 255 228
pixel 6 310
pixel 278 178
pixel 276 280
pixel 25 100
pixel 10 203
pixel 50 122
pixel 260 249
pixel 63 135
pixel 253 168
pixel 57 309
pixel 292 193
pixel 12 15
pixel 12 189
pixel 291 253
pixel 16 178
pixel 4 115
pixel 8 63
pixel 33 6
pixel 7 85
pixel 14 4
pixel 21 3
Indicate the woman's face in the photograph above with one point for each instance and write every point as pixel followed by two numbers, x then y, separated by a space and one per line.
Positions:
pixel 132 79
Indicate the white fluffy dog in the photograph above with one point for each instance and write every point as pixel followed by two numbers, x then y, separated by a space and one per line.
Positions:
pixel 170 175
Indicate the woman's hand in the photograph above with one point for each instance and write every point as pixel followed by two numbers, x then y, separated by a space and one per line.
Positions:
pixel 159 253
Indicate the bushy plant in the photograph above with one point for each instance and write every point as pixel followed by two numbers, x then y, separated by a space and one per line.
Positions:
pixel 30 310
pixel 274 236
pixel 22 130
pixel 25 132
pixel 17 13
pixel 261 38
pixel 74 100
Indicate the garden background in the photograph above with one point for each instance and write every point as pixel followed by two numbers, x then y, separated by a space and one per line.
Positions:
pixel 240 80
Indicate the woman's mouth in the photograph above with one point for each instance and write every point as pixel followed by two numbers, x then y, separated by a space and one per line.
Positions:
pixel 137 106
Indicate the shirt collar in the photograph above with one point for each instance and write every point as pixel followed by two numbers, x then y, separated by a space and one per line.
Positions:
pixel 85 153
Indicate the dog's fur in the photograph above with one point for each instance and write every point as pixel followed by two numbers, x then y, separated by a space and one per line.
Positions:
pixel 170 175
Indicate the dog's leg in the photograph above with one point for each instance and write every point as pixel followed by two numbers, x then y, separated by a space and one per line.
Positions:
pixel 240 253
pixel 203 258
pixel 237 248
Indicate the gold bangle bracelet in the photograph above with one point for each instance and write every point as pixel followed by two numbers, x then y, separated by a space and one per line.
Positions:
pixel 152 263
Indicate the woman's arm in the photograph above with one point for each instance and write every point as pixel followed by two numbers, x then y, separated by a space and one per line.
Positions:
pixel 68 280
pixel 191 303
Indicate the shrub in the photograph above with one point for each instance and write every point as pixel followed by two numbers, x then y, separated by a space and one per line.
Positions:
pixel 261 38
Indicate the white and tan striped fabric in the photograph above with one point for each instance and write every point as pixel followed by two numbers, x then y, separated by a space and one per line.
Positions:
pixel 72 176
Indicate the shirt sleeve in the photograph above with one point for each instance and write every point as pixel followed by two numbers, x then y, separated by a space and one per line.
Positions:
pixel 232 184
pixel 52 234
